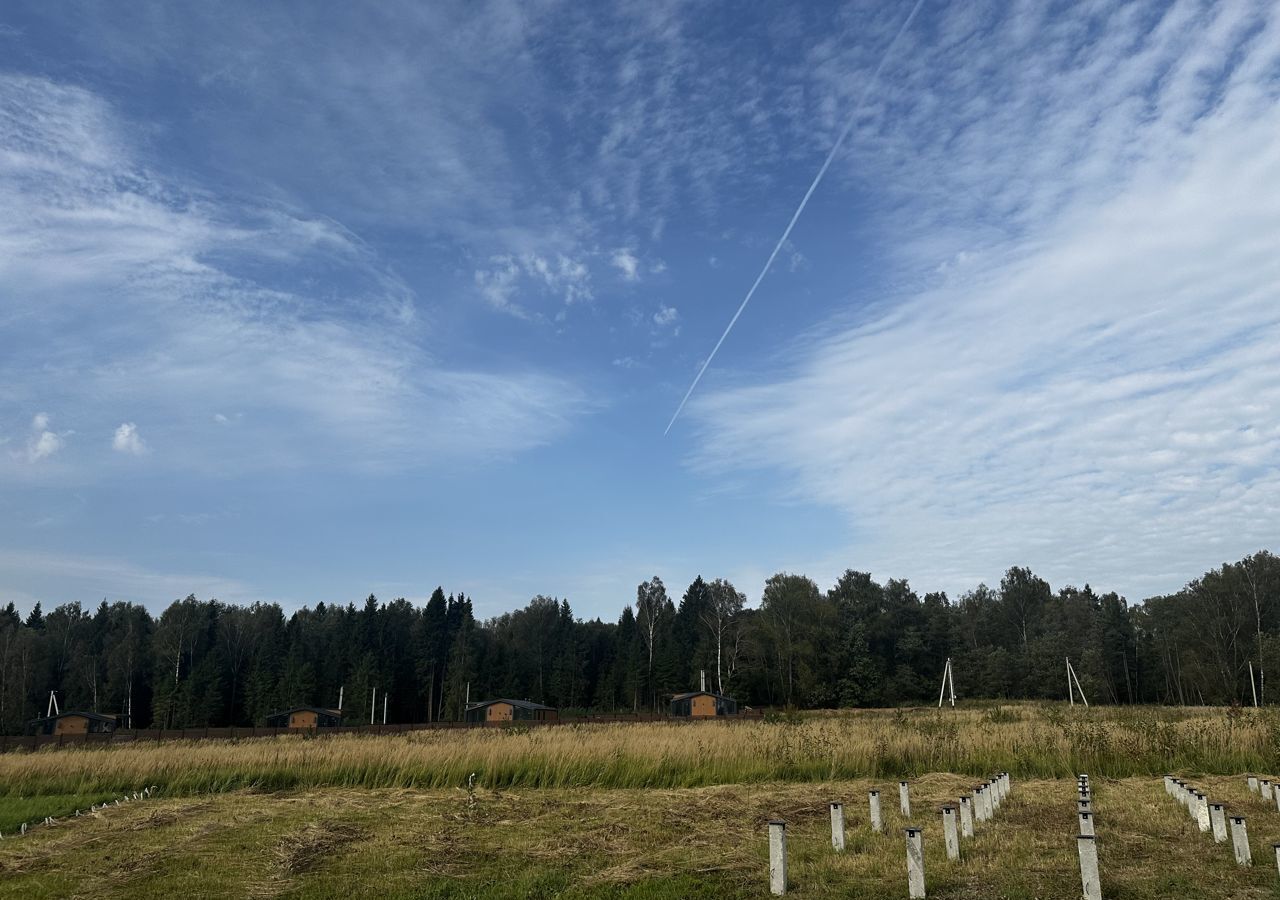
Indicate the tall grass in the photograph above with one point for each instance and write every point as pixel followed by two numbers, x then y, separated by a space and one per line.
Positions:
pixel 1025 739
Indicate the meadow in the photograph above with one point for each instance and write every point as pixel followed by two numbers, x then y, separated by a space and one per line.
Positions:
pixel 643 810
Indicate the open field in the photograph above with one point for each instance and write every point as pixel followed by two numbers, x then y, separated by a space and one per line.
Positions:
pixel 652 810
pixel 1027 740
pixel 579 842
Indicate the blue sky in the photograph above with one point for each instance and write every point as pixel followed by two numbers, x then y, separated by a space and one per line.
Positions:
pixel 305 301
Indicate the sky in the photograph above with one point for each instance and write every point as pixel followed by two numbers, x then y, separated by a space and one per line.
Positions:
pixel 305 301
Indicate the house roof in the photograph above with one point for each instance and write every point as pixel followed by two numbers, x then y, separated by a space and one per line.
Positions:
pixel 320 710
pixel 523 704
pixel 686 696
pixel 101 717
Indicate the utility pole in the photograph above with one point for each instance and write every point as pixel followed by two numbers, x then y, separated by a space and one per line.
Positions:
pixel 373 705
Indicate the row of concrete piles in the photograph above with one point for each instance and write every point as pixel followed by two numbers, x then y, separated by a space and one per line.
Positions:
pixel 1086 840
pixel 50 821
pixel 958 822
pixel 1212 818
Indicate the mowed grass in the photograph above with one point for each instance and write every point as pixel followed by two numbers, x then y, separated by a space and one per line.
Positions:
pixel 639 843
pixel 1031 741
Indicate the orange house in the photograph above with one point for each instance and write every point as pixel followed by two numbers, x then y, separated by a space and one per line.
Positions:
pixel 498 711
pixel 703 705
pixel 305 717
pixel 77 722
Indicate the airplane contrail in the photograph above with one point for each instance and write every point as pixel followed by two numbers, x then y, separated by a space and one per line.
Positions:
pixel 866 90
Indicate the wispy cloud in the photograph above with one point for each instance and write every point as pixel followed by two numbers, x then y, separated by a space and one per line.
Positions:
pixel 626 262
pixel 1095 391
pixel 162 284
pixel 85 576
pixel 666 316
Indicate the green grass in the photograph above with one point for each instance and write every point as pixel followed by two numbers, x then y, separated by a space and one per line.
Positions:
pixel 14 810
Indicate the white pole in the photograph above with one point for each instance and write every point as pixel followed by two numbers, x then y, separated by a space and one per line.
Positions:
pixel 915 863
pixel 1071 694
pixel 1083 698
pixel 1087 847
pixel 1202 812
pixel 1086 823
pixel 904 799
pixel 1252 687
pixel 1218 819
pixel 1264 785
pixel 837 827
pixel 873 799
pixel 1240 841
pixel 777 857
pixel 966 816
pixel 1253 783
pixel 942 691
pixel 949 833
pixel 384 707
pixel 373 704
pixel 1275 848
pixel 340 690
pixel 951 680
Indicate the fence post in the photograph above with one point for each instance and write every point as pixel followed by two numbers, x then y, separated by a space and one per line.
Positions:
pixel 1202 812
pixel 1264 784
pixel 1240 841
pixel 966 816
pixel 837 826
pixel 873 799
pixel 777 857
pixel 1275 848
pixel 1218 820
pixel 1086 823
pixel 1253 783
pixel 949 832
pixel 1087 847
pixel 904 799
pixel 915 863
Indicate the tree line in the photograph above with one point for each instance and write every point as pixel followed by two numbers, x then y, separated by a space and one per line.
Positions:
pixel 858 643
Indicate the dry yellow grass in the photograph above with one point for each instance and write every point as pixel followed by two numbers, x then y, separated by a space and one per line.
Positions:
pixel 1025 739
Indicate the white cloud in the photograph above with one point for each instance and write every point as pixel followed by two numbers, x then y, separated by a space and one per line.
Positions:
pixel 327 363
pixel 42 443
pixel 558 275
pixel 666 315
pixel 1096 394
pixel 127 440
pixel 626 262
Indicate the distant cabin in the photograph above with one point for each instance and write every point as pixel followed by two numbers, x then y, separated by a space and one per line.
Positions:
pixel 305 717
pixel 510 711
pixel 76 722
pixel 703 705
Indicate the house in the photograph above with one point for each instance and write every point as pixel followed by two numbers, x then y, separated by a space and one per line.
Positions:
pixel 510 711
pixel 305 717
pixel 77 722
pixel 703 705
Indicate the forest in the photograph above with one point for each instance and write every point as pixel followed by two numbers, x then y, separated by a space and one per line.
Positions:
pixel 858 643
